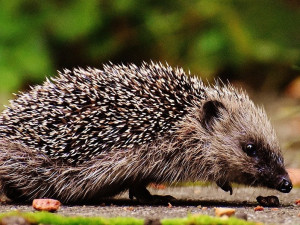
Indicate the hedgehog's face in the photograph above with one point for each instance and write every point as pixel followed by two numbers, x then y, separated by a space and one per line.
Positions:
pixel 245 146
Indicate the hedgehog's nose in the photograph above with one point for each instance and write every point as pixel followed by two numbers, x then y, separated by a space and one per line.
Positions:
pixel 285 185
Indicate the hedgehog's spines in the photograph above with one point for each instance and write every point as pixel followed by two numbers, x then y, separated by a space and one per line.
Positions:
pixel 119 107
pixel 166 93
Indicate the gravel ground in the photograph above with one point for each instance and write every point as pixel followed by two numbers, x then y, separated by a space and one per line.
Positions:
pixel 194 200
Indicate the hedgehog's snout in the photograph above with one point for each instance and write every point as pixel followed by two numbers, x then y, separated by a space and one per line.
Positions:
pixel 279 181
pixel 285 185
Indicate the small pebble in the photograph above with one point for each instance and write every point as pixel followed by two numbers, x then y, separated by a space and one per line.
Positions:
pixel 241 215
pixel 268 201
pixel 224 211
pixel 47 204
pixel 128 208
pixel 259 208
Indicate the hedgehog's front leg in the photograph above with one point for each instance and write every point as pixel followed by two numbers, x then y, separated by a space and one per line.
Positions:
pixel 143 196
pixel 225 185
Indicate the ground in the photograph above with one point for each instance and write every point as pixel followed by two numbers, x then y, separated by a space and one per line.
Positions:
pixel 191 200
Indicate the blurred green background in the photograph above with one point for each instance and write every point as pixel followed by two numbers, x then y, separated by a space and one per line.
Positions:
pixel 255 42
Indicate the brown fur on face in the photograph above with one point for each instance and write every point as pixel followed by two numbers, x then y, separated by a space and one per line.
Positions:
pixel 236 122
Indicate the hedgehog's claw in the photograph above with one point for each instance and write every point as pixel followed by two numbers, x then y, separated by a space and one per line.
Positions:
pixel 225 186
pixel 143 196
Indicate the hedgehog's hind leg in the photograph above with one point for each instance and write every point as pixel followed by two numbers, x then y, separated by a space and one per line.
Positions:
pixel 143 196
pixel 23 172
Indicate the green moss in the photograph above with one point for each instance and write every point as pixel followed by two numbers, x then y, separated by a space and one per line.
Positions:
pixel 51 218
pixel 205 219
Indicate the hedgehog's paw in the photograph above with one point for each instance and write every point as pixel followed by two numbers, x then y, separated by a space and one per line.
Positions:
pixel 162 199
pixel 143 196
pixel 225 186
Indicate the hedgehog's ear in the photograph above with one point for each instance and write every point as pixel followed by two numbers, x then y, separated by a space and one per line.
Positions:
pixel 211 113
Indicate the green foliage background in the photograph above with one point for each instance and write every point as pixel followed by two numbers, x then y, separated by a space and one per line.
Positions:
pixel 254 41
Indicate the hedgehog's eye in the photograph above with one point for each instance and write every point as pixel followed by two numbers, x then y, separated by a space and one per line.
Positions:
pixel 250 149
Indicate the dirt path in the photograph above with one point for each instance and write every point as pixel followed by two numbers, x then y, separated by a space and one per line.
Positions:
pixel 195 200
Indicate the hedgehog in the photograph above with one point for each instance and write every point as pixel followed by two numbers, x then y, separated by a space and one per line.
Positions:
pixel 92 133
